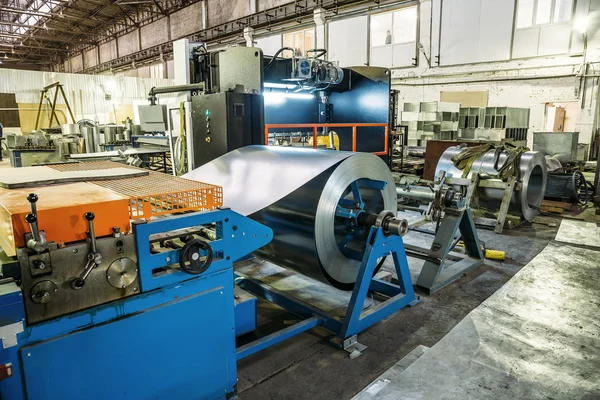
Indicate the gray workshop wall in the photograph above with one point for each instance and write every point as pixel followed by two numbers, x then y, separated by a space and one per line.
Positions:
pixel 77 63
pixel 129 43
pixel 186 21
pixel 221 11
pixel 108 51
pixel 155 33
pixel 90 58
pixel 266 4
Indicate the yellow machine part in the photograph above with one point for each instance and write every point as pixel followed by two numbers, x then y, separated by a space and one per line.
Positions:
pixel 323 141
pixel 498 255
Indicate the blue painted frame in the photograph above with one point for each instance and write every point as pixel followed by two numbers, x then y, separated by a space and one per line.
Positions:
pixel 239 236
pixel 356 320
pixel 250 235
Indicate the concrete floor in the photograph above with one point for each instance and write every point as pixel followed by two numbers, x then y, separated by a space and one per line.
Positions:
pixel 309 367
pixel 535 338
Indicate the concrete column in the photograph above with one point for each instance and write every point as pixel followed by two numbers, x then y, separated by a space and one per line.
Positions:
pixel 204 15
pixel 249 36
pixel 253 6
pixel 319 17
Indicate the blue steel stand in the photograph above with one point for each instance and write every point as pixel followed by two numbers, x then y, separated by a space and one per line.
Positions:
pixel 356 319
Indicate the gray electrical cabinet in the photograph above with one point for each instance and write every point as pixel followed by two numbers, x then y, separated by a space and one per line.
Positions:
pixel 222 122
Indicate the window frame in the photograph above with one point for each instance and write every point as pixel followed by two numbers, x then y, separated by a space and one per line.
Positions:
pixel 534 14
pixel 294 33
pixel 392 11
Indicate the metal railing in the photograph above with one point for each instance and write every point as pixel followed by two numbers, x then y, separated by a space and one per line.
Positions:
pixel 315 128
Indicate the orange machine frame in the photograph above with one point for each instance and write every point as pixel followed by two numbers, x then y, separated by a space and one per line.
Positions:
pixel 315 131
pixel 61 210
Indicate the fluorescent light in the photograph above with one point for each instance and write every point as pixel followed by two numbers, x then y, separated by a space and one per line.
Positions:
pixel 283 95
pixel 277 98
pixel 279 85
pixel 581 24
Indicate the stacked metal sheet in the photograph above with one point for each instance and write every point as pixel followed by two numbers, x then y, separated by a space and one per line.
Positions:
pixel 494 123
pixel 430 120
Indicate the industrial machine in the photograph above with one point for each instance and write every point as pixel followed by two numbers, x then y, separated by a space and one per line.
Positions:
pixel 150 258
pixel 503 179
pixel 238 97
pixel 448 207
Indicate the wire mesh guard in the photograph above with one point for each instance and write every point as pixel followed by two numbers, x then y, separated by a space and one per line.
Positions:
pixel 156 193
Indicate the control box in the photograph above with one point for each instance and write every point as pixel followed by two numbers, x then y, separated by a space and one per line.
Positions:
pixel 222 122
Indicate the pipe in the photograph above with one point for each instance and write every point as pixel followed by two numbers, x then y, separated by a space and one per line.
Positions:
pixel 518 78
pixel 419 193
pixel 177 88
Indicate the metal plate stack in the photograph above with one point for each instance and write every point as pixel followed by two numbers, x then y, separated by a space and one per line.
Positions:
pixel 296 192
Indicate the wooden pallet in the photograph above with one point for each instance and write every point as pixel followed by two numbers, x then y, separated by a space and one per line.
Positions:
pixel 557 207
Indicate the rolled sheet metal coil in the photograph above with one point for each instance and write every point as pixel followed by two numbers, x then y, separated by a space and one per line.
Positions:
pixel 296 192
pixel 532 175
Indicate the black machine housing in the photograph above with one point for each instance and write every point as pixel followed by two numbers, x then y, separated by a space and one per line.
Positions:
pixel 235 80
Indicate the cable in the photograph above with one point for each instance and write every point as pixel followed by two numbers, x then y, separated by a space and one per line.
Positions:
pixel 276 54
pixel 321 52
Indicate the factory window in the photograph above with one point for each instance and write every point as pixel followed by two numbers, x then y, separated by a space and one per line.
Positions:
pixel 532 13
pixel 300 41
pixel 543 28
pixel 396 27
pixel 394 37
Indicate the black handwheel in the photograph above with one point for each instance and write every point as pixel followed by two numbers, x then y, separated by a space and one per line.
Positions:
pixel 580 188
pixel 190 259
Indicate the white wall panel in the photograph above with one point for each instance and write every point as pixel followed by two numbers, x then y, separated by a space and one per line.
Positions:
pixel 269 44
pixel 425 27
pixel 403 54
pixel 476 31
pixel 554 39
pixel 526 43
pixel 347 41
pixel 460 31
pixel 495 30
pixel 582 8
pixel 381 56
pixel 436 23
pixel 26 86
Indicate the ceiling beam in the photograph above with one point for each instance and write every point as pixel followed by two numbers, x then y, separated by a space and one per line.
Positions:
pixel 29 46
pixel 18 25
pixel 35 13
pixel 27 36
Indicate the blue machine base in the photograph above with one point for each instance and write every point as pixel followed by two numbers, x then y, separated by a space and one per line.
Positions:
pixel 356 320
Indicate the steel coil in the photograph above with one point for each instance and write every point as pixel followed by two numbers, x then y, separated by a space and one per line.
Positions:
pixel 296 193
pixel 531 175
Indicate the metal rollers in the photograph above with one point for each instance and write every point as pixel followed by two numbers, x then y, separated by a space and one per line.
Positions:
pixel 296 192
pixel 532 175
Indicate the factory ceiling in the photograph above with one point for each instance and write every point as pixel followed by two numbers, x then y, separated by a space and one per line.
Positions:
pixel 42 32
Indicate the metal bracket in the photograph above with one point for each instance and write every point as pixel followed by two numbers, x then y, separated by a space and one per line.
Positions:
pixel 351 345
pixel 8 334
pixel 510 186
